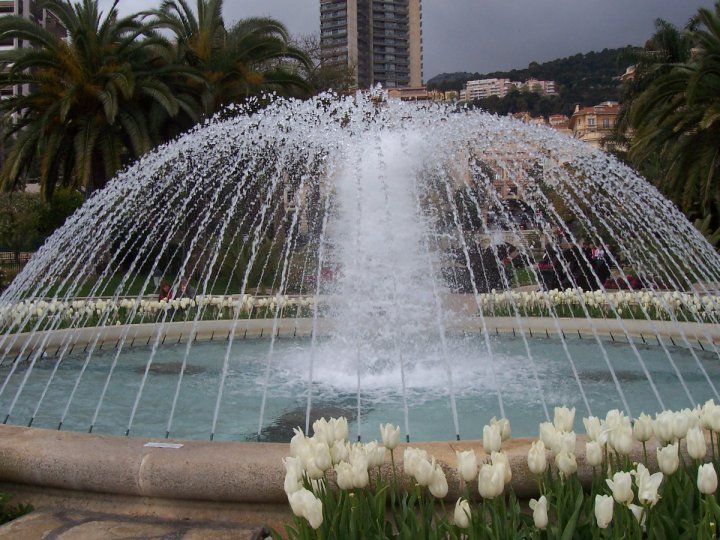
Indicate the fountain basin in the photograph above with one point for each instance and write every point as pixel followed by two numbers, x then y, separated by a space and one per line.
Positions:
pixel 139 394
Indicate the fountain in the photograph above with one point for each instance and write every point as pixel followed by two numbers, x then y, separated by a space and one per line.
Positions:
pixel 388 261
pixel 389 236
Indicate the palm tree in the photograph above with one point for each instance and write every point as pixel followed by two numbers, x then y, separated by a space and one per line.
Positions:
pixel 678 119
pixel 97 100
pixel 667 47
pixel 254 56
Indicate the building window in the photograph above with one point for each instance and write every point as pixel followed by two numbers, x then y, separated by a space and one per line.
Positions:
pixel 606 123
pixel 591 121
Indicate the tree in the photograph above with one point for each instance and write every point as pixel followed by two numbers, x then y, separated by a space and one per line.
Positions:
pixel 98 99
pixel 667 47
pixel 677 120
pixel 253 57
pixel 323 75
pixel 19 222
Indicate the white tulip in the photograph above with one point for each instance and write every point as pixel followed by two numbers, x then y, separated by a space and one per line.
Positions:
pixel 681 424
pixel 622 440
pixel 668 458
pixel 564 418
pixel 374 459
pixel 358 454
pixel 467 465
pixel 340 451
pixel 360 473
pixel 390 436
pixel 540 512
pixel 462 514
pixel 537 463
pixel 566 441
pixel 549 436
pixel 298 443
pixel 323 460
pixel 566 463
pixel 663 426
pixel 305 504
pixel 438 483
pixel 696 446
pixel 491 480
pixel 592 427
pixel 491 439
pixel 411 457
pixel 639 513
pixel 339 428
pixel 643 428
pixel 344 472
pixel 501 458
pixel 504 426
pixel 707 480
pixel 711 416
pixel 593 453
pixel 621 487
pixel 313 509
pixel 423 472
pixel 603 510
pixel 648 485
pixel 615 419
pixel 293 475
pixel 323 431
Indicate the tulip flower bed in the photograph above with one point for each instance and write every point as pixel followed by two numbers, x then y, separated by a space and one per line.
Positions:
pixel 655 305
pixel 55 314
pixel 97 312
pixel 338 490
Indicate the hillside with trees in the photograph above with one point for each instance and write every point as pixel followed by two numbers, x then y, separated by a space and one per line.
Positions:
pixel 584 79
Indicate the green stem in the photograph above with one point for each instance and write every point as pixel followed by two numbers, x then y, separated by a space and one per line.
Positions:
pixel 712 445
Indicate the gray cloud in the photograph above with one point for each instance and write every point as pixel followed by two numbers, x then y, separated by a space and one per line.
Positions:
pixel 489 35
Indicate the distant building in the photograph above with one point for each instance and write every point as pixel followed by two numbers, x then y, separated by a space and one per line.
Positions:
pixel 380 40
pixel 593 124
pixel 558 121
pixel 410 93
pixel 529 119
pixel 485 88
pixel 540 87
pixel 29 9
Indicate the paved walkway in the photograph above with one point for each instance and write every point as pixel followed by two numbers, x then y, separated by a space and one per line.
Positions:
pixel 64 525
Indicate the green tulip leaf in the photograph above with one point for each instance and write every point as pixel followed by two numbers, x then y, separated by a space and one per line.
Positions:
pixel 572 522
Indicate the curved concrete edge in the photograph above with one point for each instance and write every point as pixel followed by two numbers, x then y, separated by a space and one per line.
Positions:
pixel 211 471
pixel 203 471
pixel 54 341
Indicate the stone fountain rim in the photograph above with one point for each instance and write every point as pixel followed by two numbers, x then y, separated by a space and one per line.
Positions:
pixel 53 341
pixel 211 471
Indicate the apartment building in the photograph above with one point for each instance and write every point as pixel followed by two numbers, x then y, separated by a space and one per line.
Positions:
pixel 30 9
pixel 484 88
pixel 380 40
pixel 593 124
pixel 540 87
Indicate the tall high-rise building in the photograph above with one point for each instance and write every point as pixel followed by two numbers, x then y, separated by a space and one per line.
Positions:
pixel 32 10
pixel 380 40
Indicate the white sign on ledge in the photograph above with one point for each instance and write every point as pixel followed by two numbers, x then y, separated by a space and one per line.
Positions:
pixel 163 445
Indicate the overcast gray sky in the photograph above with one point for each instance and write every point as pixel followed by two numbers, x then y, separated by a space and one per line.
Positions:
pixel 490 35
